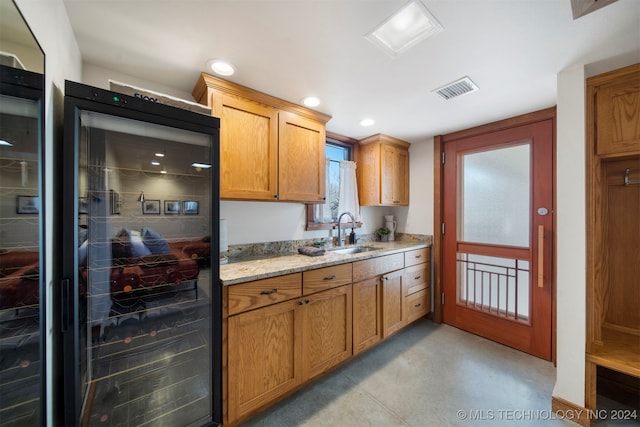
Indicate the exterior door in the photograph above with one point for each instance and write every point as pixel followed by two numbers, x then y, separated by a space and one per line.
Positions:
pixel 498 228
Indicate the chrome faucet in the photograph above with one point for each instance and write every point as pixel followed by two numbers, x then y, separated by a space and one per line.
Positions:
pixel 353 227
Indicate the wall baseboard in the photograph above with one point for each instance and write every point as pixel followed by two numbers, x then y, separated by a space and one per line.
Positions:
pixel 570 411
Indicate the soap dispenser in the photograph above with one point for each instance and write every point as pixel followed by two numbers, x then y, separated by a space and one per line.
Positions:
pixel 352 237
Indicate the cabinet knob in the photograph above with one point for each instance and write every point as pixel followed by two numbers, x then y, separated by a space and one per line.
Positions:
pixel 275 196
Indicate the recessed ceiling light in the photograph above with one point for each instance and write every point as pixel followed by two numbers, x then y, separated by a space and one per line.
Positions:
pixel 155 163
pixel 201 165
pixel 367 122
pixel 163 171
pixel 4 143
pixel 404 29
pixel 311 101
pixel 222 68
pixel 159 154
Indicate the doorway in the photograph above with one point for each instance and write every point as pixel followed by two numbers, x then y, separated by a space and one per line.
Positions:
pixel 497 223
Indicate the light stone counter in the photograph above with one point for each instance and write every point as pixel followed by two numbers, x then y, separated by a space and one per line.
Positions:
pixel 240 272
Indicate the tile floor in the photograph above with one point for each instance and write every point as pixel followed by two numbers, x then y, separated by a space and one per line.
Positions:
pixel 427 375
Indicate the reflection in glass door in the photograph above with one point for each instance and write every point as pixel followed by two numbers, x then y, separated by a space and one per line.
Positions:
pixel 147 299
pixel 21 308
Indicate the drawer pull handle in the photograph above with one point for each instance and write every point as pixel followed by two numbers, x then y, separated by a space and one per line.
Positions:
pixel 417 277
pixel 418 305
pixel 272 291
pixel 418 256
pixel 329 277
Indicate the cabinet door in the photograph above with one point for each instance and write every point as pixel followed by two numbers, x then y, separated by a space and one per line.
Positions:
pixel 264 353
pixel 393 310
pixel 401 178
pixel 417 305
pixel 327 330
pixel 394 167
pixel 248 148
pixel 367 315
pixel 301 159
pixel 617 109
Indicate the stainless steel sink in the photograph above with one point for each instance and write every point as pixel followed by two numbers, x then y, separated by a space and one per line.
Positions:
pixel 355 249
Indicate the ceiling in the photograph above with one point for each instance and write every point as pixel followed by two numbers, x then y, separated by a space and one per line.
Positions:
pixel 512 49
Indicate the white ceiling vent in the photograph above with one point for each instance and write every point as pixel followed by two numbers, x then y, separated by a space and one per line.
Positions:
pixel 457 88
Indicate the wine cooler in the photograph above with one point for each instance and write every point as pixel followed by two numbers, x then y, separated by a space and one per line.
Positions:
pixel 141 298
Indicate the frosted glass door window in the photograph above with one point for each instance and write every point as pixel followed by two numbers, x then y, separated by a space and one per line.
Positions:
pixel 494 196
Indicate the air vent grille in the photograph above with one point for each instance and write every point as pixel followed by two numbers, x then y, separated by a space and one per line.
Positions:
pixel 457 88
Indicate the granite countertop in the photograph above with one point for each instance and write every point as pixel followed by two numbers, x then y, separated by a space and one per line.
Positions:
pixel 245 271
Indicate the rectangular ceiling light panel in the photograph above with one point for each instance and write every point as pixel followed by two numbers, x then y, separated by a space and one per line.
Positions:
pixel 404 29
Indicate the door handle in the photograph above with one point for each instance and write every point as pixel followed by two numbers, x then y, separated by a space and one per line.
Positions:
pixel 541 256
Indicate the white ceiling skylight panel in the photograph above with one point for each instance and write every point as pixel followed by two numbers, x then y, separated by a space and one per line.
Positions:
pixel 404 29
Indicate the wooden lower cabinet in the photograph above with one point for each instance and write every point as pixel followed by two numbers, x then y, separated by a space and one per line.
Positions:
pixel 327 330
pixel 367 314
pixel 393 307
pixel 274 349
pixel 417 305
pixel 264 356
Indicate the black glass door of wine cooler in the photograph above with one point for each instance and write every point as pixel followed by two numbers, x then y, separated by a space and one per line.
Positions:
pixel 22 314
pixel 141 315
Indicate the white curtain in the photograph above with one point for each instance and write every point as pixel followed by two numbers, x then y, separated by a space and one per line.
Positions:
pixel 322 212
pixel 348 191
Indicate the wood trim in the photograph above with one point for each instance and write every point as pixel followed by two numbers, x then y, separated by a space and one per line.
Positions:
pixel 438 206
pixel 207 81
pixel 570 411
pixel 536 116
pixel 385 139
pixel 620 73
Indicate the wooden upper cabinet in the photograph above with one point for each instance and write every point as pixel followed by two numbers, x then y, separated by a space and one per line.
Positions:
pixel 248 148
pixel 270 149
pixel 302 159
pixel 383 171
pixel 616 98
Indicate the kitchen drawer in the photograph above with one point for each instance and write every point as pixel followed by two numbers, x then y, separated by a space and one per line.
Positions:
pixel 417 305
pixel 376 266
pixel 251 295
pixel 417 256
pixel 326 278
pixel 416 278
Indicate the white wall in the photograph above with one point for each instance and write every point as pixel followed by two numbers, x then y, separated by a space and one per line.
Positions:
pixel 570 236
pixel 50 25
pixel 417 218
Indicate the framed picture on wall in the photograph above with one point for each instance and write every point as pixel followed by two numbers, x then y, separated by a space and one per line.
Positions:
pixel 190 207
pixel 172 207
pixel 151 207
pixel 27 204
